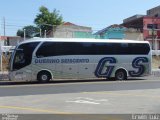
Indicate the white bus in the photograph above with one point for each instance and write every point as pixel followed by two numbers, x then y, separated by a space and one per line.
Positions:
pixel 46 59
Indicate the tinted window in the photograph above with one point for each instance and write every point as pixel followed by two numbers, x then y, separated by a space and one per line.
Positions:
pixel 141 48
pixel 23 55
pixel 152 26
pixel 76 48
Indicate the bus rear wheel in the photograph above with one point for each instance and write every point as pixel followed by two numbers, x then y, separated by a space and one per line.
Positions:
pixel 121 75
pixel 44 76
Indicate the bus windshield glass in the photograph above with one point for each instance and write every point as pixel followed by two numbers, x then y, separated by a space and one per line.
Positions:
pixel 23 55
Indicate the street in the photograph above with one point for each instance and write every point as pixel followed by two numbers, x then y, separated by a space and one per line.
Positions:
pixel 76 86
pixel 140 95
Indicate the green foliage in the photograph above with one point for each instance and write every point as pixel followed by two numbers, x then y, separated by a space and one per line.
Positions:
pixel 31 31
pixel 47 20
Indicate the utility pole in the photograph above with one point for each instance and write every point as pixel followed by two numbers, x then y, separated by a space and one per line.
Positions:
pixel 1 53
pixel 154 31
pixel 24 34
pixel 40 32
pixel 4 27
pixel 45 34
pixel 54 30
pixel 4 35
pixel 152 38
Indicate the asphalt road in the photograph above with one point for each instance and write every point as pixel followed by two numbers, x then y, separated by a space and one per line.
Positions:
pixel 82 97
pixel 70 86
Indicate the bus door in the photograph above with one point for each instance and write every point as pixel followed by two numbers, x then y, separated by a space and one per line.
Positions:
pixel 21 69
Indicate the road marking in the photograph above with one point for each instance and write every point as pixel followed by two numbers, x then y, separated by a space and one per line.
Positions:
pixel 92 99
pixel 34 109
pixel 84 100
pixel 77 83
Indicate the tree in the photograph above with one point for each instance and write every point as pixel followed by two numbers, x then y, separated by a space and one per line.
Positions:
pixel 48 20
pixel 30 31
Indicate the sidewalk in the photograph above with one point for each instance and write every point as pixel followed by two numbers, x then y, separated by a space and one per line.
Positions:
pixel 4 75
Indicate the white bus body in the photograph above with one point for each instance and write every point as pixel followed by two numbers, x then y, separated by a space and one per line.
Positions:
pixel 46 59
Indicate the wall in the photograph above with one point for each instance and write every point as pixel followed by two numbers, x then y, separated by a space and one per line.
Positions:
pixel 152 34
pixel 83 35
pixel 10 40
pixel 69 31
pixel 2 42
pixel 154 12
pixel 133 34
pixel 13 41
pixel 150 20
pixel 2 38
pixel 112 33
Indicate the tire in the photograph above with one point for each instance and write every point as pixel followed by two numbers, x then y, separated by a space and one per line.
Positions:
pixel 121 75
pixel 44 76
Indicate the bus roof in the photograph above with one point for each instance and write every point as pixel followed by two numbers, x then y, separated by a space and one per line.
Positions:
pixel 82 40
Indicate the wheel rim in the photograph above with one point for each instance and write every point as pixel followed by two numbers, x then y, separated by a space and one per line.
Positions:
pixel 44 77
pixel 120 75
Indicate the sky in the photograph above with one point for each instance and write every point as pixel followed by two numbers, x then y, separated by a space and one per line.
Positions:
pixel 97 14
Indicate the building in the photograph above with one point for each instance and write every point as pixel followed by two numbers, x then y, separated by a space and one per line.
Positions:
pixel 151 31
pixel 9 40
pixel 148 28
pixel 154 12
pixel 134 27
pixel 70 30
pixel 133 34
pixel 2 40
pixel 111 32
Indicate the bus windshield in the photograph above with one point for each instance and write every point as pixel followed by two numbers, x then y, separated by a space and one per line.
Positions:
pixel 23 55
pixel 19 59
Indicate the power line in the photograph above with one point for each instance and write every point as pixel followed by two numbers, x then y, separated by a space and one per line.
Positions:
pixel 13 26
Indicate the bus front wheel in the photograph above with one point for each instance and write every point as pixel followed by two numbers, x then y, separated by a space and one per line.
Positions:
pixel 44 76
pixel 121 75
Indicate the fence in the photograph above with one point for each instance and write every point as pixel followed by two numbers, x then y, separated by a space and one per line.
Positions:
pixel 5 52
pixel 156 52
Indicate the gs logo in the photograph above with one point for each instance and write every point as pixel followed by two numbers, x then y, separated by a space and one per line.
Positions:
pixel 137 63
pixel 102 64
pixel 103 70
